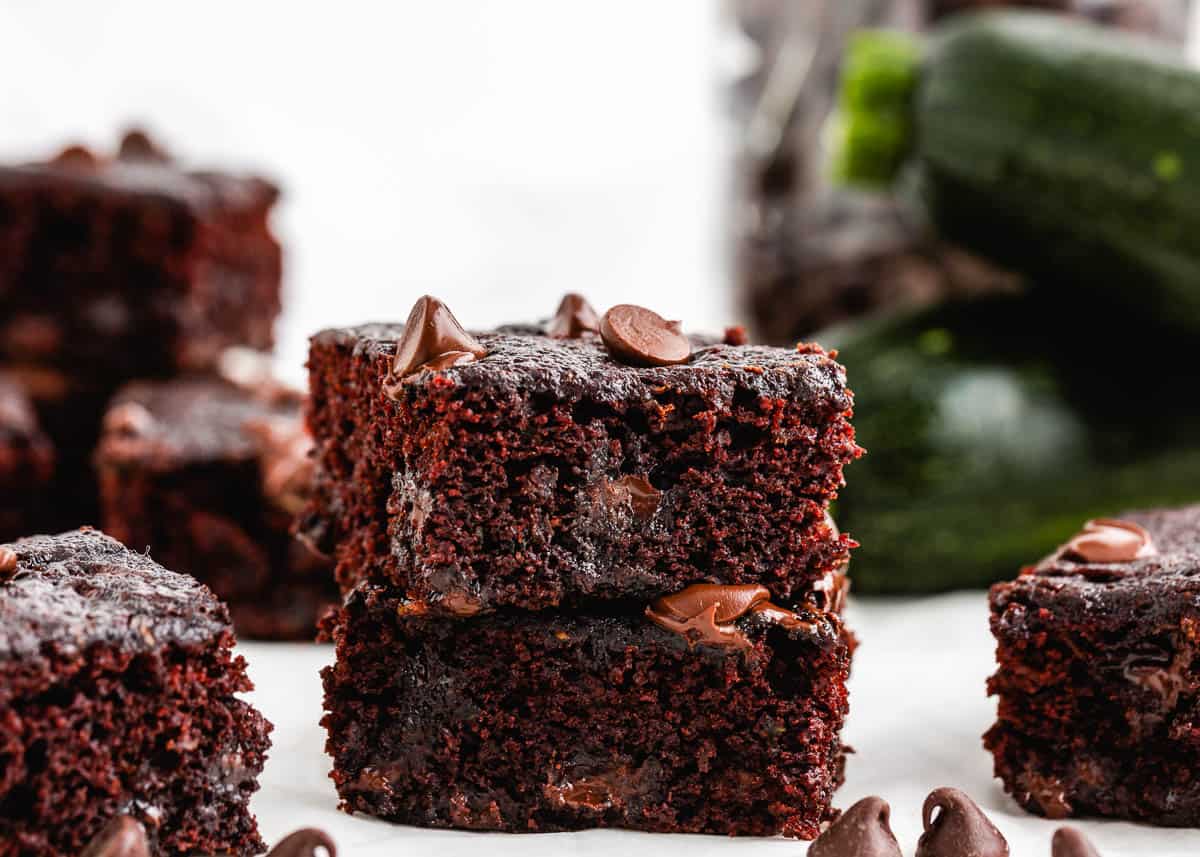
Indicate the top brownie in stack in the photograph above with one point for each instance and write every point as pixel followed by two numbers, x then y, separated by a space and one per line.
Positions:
pixel 554 464
pixel 132 266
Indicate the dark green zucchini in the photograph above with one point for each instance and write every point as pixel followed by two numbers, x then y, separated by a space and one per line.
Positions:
pixel 1059 149
pixel 993 431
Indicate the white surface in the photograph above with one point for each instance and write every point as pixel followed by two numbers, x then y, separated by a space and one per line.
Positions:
pixel 918 710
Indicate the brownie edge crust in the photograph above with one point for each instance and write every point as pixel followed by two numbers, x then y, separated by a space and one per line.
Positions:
pixel 118 695
pixel 1098 681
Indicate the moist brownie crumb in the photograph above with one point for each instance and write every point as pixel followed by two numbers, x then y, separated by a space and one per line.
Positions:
pixel 549 721
pixel 119 695
pixel 209 476
pixel 1098 673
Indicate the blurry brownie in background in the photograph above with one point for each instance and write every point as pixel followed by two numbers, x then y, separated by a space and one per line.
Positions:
pixel 121 267
pixel 711 710
pixel 119 694
pixel 26 463
pixel 131 265
pixel 808 255
pixel 1099 673
pixel 208 475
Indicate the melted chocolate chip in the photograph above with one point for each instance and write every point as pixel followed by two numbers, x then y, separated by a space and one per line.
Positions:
pixel 639 337
pixel 1107 540
pixel 707 612
pixel 574 318
pixel 1069 842
pixel 642 496
pixel 864 830
pixel 304 843
pixel 461 603
pixel 956 827
pixel 433 339
pixel 124 836
pixel 136 145
pixel 8 564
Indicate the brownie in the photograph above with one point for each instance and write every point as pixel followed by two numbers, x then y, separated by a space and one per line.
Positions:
pixel 132 265
pixel 26 463
pixel 119 694
pixel 711 711
pixel 1099 673
pixel 550 470
pixel 208 476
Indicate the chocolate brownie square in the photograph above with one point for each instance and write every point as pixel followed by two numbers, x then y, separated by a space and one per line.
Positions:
pixel 557 464
pixel 26 463
pixel 133 266
pixel 1099 673
pixel 208 476
pixel 711 711
pixel 118 695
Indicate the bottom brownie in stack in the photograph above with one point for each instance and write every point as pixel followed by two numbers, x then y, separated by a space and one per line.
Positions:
pixel 119 695
pixel 711 711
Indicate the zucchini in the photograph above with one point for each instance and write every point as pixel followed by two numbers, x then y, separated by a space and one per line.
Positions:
pixel 993 431
pixel 1058 149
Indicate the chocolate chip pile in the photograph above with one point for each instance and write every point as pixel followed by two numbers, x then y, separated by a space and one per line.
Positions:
pixel 954 825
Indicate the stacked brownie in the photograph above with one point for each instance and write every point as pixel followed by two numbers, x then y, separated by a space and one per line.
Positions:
pixel 1099 673
pixel 590 578
pixel 119 695
pixel 114 268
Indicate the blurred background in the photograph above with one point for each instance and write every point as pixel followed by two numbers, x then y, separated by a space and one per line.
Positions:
pixel 673 154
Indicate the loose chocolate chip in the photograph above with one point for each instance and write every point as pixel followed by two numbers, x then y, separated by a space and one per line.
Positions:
pixel 637 336
pixel 1107 540
pixel 955 826
pixel 304 843
pixel 574 318
pixel 8 564
pixel 124 836
pixel 864 830
pixel 433 339
pixel 136 145
pixel 1069 842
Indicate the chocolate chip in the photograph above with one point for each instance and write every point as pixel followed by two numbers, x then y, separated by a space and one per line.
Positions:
pixel 955 826
pixel 736 336
pixel 124 836
pixel 136 145
pixel 433 339
pixel 637 336
pixel 1069 842
pixel 8 564
pixel 574 318
pixel 1107 540
pixel 864 830
pixel 304 843
pixel 76 157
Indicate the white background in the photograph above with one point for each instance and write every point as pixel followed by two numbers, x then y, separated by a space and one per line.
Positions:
pixel 496 154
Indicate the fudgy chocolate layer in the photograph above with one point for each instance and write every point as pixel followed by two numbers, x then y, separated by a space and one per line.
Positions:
pixel 550 721
pixel 1099 677
pixel 548 473
pixel 118 694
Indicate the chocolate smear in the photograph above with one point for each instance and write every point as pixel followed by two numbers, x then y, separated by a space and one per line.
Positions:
pixel 864 830
pixel 1109 540
pixel 708 612
pixel 955 826
pixel 640 337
